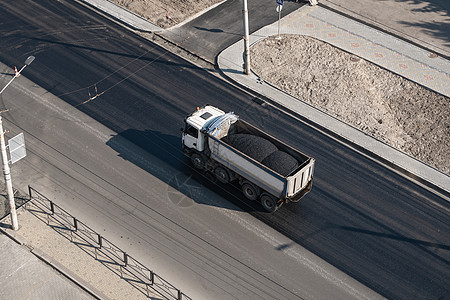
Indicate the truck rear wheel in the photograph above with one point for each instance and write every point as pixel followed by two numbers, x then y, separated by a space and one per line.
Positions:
pixel 222 175
pixel 269 203
pixel 197 161
pixel 250 191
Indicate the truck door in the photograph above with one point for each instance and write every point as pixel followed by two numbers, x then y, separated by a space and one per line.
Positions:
pixel 190 137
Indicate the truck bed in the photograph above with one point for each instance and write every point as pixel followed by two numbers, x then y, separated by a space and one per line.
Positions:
pixel 253 161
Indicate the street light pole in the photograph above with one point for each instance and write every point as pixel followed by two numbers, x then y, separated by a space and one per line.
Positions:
pixel 246 39
pixel 6 169
pixel 8 183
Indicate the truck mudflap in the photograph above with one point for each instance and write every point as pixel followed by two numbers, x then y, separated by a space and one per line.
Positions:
pixel 300 195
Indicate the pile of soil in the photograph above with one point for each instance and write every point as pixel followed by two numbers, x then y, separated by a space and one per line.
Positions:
pixel 166 13
pixel 384 105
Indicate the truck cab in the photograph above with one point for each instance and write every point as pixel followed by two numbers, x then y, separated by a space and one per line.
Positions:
pixel 192 136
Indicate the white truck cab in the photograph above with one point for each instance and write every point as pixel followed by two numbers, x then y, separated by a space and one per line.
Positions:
pixel 192 136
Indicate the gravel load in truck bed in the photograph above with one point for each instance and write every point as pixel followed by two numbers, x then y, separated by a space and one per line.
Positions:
pixel 263 151
pixel 280 162
pixel 254 146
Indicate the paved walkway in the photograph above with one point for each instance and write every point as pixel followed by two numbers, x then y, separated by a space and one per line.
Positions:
pixel 24 276
pixel 425 23
pixel 382 49
pixel 28 272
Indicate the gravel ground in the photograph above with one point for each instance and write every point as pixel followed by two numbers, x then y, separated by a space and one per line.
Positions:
pixel 384 105
pixel 165 13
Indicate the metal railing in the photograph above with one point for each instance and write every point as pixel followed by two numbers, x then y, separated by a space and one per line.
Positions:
pixel 105 251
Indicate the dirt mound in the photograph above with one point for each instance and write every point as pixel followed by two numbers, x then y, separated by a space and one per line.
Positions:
pixel 384 105
pixel 166 13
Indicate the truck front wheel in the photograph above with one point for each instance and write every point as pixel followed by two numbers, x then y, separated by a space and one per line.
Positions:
pixel 197 161
pixel 269 203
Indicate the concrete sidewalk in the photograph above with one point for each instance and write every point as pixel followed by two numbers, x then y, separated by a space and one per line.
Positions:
pixel 27 272
pixel 25 276
pixel 382 49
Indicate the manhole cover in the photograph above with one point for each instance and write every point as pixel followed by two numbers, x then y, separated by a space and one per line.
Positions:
pixel 183 190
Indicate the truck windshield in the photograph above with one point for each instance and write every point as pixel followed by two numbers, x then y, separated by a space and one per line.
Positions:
pixel 191 131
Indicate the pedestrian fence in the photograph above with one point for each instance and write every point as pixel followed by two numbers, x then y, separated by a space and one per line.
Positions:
pixel 105 251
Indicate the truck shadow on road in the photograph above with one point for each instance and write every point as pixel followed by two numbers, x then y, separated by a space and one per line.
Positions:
pixel 160 155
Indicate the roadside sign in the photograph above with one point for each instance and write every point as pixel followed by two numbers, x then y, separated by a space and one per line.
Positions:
pixel 280 2
pixel 16 147
pixel 279 8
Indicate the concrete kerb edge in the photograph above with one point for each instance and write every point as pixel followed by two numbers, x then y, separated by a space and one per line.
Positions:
pixel 184 49
pixel 196 15
pixel 93 4
pixel 69 275
pixel 16 238
pixel 426 181
pixel 157 31
pixel 368 152
pixel 85 286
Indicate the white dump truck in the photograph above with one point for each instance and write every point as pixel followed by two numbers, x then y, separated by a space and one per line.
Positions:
pixel 229 149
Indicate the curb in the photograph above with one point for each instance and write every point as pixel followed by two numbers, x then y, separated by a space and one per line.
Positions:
pixel 122 15
pixel 398 161
pixel 69 275
pixel 85 286
pixel 345 140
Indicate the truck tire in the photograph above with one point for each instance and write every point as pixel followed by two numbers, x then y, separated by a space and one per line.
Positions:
pixel 222 175
pixel 269 203
pixel 197 161
pixel 250 191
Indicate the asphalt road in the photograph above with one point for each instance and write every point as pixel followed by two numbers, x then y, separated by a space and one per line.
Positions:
pixel 380 228
pixel 223 26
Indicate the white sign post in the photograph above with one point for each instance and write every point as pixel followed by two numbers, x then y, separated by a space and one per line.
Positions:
pixel 6 169
pixel 279 8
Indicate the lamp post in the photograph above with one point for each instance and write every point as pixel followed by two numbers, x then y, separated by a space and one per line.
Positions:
pixel 6 169
pixel 246 39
